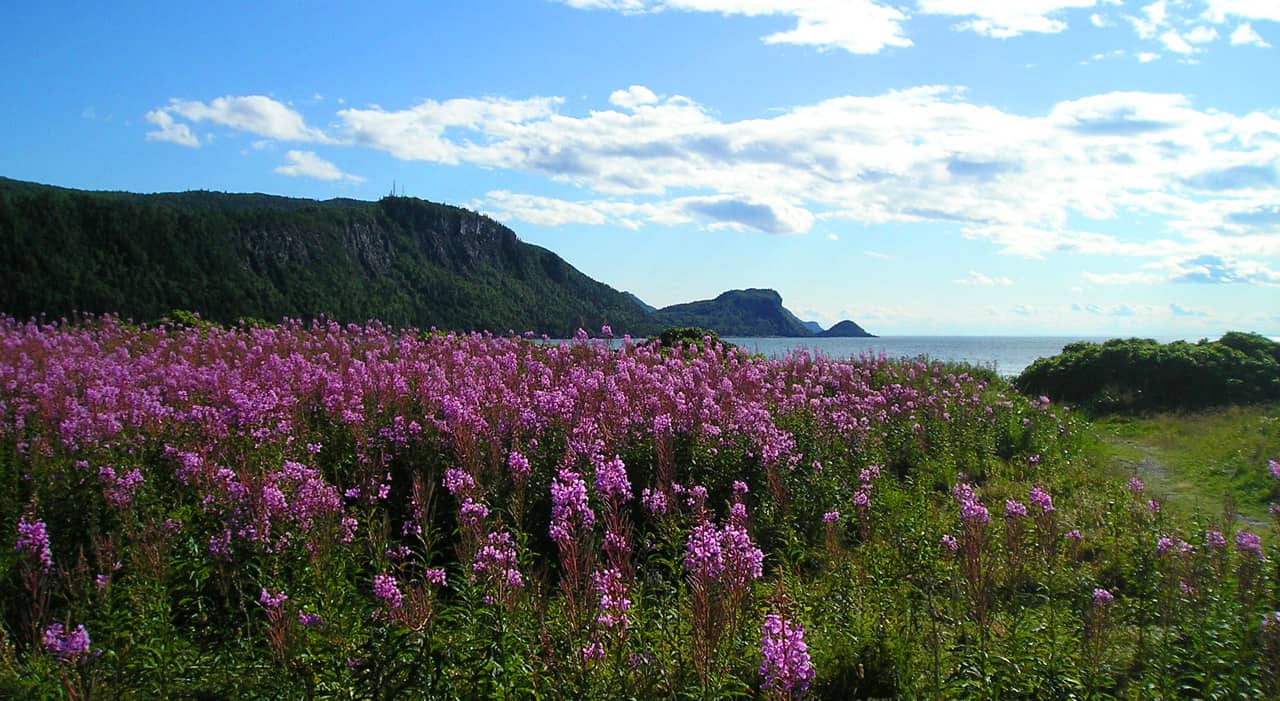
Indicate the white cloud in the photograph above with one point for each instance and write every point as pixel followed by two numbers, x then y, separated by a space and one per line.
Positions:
pixel 833 237
pixel 926 154
pixel 977 279
pixel 1245 35
pixel 254 114
pixel 856 26
pixel 633 97
pixel 1179 25
pixel 1201 35
pixel 306 164
pixel 877 255
pixel 1219 10
pixel 1147 57
pixel 1007 18
pixel 1134 278
pixel 720 212
pixel 1154 17
pixel 1176 43
pixel 169 130
pixel 1098 20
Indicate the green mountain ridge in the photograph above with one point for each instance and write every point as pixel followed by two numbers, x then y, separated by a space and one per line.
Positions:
pixel 403 261
pixel 752 312
pixel 846 329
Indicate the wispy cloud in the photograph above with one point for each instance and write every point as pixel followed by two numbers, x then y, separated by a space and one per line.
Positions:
pixel 306 164
pixel 255 114
pixel 1246 35
pixel 169 130
pixel 856 26
pixel 977 279
pixel 650 158
pixel 1009 18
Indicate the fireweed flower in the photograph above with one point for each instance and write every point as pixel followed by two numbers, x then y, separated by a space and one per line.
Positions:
pixel 1102 597
pixel 614 602
pixel 1274 467
pixel 592 651
pixel 1013 509
pixel 67 646
pixel 272 601
pixel 786 666
pixel 831 517
pixel 472 513
pixel 570 514
pixel 654 501
pixel 611 479
pixel 1249 544
pixel 387 589
pixel 950 543
pixel 1135 485
pixel 1074 535
pixel 518 465
pixel 972 512
pixel 1041 499
pixel 1215 539
pixel 496 562
pixel 435 575
pixel 33 539
pixel 309 620
pixel 458 481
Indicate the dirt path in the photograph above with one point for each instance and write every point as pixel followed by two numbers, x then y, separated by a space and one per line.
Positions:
pixel 1145 461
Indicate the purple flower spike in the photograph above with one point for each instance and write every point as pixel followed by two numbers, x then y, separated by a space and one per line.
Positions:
pixel 1249 544
pixel 786 666
pixel 1041 499
pixel 33 539
pixel 387 589
pixel 67 646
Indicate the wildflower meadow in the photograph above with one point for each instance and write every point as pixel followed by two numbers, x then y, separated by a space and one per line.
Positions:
pixel 357 512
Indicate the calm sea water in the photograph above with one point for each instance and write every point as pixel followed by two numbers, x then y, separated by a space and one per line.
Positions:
pixel 1007 355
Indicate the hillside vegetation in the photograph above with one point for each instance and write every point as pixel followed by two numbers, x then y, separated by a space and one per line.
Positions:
pixel 1143 375
pixel 404 261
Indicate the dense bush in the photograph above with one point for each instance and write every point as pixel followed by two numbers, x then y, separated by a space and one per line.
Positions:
pixel 348 512
pixel 1141 374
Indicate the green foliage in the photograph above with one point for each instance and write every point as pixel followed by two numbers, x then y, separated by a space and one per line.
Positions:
pixel 1143 375
pixel 737 313
pixel 402 260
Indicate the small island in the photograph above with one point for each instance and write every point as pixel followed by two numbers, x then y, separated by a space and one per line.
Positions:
pixel 846 329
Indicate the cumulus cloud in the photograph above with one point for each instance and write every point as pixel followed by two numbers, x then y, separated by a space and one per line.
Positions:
pixel 633 97
pixel 306 164
pixel 1186 28
pixel 856 26
pixel 1246 35
pixel 926 154
pixel 1245 9
pixel 169 130
pixel 255 114
pixel 1009 18
pixel 977 279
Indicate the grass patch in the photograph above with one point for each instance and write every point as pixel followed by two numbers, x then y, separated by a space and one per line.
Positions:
pixel 1202 460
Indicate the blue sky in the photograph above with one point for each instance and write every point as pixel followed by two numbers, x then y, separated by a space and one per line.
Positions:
pixel 919 166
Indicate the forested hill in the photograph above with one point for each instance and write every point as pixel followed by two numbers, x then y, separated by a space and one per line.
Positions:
pixel 752 312
pixel 404 261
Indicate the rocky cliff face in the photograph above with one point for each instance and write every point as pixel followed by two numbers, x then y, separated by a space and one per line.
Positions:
pixel 402 260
